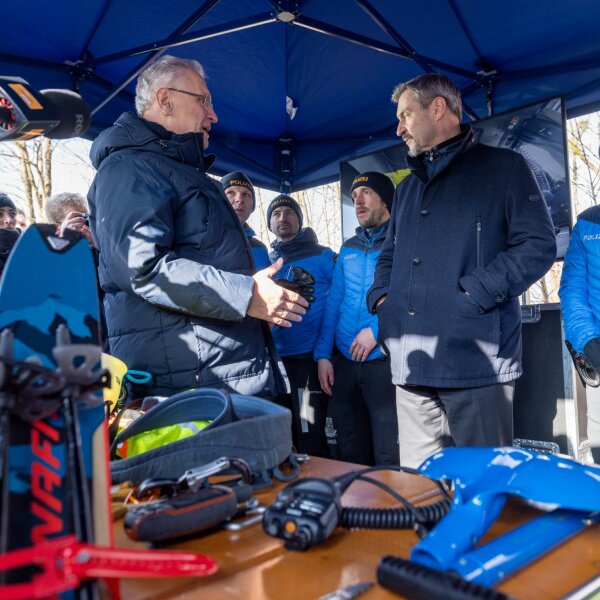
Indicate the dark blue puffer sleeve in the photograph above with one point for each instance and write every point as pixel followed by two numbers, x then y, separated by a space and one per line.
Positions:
pixel 136 238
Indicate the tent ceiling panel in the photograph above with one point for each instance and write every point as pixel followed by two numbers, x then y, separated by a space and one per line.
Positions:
pixel 336 60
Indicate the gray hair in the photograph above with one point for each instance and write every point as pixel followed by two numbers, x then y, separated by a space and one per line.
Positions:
pixel 425 88
pixel 161 73
pixel 58 206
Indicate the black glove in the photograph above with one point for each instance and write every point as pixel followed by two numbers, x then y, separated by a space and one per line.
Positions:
pixel 302 282
pixel 583 365
pixel 592 351
pixel 8 238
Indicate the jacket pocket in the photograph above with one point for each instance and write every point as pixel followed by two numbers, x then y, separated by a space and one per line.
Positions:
pixel 466 305
pixel 227 351
pixel 475 327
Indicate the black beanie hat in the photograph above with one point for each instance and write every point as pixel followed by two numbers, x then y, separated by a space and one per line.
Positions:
pixel 238 178
pixel 283 200
pixel 6 202
pixel 379 183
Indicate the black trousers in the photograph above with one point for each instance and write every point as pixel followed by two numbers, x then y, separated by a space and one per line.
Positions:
pixel 362 424
pixel 308 404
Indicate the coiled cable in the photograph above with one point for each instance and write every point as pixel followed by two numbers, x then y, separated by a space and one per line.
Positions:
pixel 393 518
pixel 419 518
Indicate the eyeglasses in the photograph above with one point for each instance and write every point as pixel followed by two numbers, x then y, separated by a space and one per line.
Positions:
pixel 205 99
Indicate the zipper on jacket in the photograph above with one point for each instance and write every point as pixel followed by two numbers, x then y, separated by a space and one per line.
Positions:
pixel 478 242
pixel 200 155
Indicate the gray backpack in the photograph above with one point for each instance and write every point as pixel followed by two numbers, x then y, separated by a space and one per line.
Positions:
pixel 246 427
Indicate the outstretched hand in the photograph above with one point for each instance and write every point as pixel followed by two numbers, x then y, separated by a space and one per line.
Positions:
pixel 273 303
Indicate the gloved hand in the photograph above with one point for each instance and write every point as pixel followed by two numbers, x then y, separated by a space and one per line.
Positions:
pixel 592 351
pixel 583 365
pixel 8 238
pixel 300 281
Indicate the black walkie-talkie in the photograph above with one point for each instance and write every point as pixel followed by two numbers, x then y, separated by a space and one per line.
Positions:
pixel 304 513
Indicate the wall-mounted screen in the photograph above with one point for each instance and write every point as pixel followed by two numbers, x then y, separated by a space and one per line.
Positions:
pixel 537 131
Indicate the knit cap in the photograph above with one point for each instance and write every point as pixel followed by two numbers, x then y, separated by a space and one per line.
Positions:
pixel 238 178
pixel 283 200
pixel 379 183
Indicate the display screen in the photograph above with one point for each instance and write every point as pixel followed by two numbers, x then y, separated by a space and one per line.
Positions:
pixel 537 131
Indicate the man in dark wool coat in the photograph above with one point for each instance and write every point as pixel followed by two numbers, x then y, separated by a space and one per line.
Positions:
pixel 469 232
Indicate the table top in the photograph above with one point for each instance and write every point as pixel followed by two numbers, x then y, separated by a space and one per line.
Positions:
pixel 254 566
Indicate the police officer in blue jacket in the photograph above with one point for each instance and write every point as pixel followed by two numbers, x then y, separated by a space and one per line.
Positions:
pixel 580 302
pixel 239 190
pixel 308 270
pixel 362 426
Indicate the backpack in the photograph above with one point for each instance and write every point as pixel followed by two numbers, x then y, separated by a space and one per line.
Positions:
pixel 246 427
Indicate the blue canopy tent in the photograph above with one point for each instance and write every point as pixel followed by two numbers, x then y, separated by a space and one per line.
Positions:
pixel 299 85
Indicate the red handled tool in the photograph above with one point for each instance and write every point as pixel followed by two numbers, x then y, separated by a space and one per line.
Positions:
pixel 65 563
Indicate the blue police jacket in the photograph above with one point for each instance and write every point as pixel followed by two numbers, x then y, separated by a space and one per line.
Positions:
pixel 580 284
pixel 260 254
pixel 346 312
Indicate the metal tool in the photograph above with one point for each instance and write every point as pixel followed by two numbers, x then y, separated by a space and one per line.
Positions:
pixel 349 592
pixel 255 518
pixel 193 479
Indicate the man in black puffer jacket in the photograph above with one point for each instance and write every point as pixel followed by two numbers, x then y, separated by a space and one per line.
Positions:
pixel 175 265
pixel 469 233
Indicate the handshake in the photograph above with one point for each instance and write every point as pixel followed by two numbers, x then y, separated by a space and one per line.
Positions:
pixel 300 281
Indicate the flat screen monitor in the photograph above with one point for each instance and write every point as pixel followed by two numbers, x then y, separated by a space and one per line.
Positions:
pixel 537 131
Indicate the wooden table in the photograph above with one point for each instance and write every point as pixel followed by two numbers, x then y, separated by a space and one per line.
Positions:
pixel 254 566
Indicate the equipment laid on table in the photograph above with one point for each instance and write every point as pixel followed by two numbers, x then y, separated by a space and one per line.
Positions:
pixel 416 582
pixel 483 479
pixel 166 509
pixel 306 512
pixel 246 427
pixel 446 560
pixel 349 592
pixel 64 566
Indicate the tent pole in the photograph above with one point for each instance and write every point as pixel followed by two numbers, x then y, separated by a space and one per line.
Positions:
pixel 361 40
pixel 424 63
pixel 156 49
pixel 286 164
